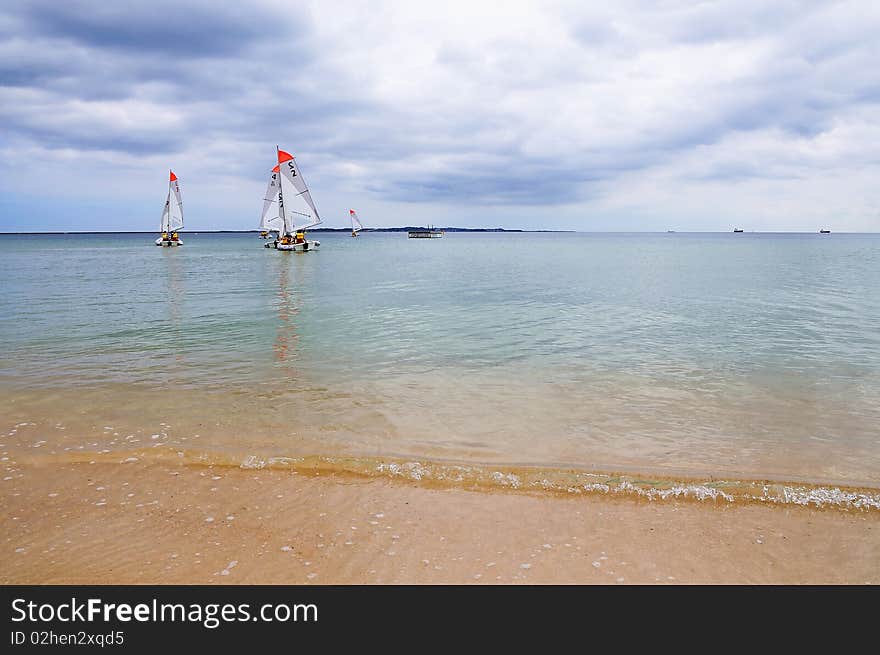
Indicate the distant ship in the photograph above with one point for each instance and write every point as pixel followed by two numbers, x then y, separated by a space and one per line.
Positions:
pixel 737 229
pixel 430 233
pixel 824 231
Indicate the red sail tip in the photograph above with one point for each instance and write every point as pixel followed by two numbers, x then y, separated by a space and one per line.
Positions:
pixel 173 177
pixel 351 211
pixel 275 170
pixel 284 156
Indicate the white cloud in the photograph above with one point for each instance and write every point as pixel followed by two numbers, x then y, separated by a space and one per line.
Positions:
pixel 526 114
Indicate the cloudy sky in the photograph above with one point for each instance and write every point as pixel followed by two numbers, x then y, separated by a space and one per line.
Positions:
pixel 553 115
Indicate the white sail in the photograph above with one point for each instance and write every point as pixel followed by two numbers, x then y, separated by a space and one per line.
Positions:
pixel 290 172
pixel 306 226
pixel 271 224
pixel 271 219
pixel 355 222
pixel 173 207
pixel 163 224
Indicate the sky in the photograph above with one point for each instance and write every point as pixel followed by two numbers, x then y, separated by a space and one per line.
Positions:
pixel 590 116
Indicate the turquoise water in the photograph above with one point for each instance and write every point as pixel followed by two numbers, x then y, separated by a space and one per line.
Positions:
pixel 748 354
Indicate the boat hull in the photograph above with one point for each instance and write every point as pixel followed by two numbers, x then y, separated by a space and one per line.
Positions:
pixel 294 247
pixel 299 247
pixel 168 243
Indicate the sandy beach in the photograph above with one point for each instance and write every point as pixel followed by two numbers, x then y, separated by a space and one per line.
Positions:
pixel 146 523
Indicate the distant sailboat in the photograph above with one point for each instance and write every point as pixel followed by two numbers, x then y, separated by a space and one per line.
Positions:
pixel 737 229
pixel 291 235
pixel 824 231
pixel 355 223
pixel 270 221
pixel 172 215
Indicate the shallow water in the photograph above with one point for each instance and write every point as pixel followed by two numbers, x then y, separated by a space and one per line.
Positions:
pixel 747 356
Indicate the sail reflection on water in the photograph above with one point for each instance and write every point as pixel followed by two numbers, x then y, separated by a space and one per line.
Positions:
pixel 174 297
pixel 286 338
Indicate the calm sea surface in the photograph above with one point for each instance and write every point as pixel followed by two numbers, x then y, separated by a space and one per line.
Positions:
pixel 750 355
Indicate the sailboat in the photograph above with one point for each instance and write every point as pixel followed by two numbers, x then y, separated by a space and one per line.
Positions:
pixel 292 236
pixel 355 223
pixel 268 221
pixel 172 215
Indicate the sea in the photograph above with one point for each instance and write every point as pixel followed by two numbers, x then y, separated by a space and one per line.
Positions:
pixel 720 366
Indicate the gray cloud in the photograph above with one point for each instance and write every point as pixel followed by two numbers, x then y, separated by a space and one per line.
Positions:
pixel 548 108
pixel 163 27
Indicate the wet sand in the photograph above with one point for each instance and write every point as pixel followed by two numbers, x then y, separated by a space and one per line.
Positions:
pixel 144 523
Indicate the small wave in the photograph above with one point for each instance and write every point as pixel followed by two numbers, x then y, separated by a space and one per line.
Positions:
pixel 506 478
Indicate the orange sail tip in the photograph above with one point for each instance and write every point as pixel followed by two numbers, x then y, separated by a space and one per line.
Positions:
pixel 173 176
pixel 275 170
pixel 284 156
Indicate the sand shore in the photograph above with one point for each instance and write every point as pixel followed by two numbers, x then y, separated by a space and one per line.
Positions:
pixel 139 523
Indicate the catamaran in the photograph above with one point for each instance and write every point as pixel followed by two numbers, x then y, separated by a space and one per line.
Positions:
pixel 172 215
pixel 270 221
pixel 292 236
pixel 355 223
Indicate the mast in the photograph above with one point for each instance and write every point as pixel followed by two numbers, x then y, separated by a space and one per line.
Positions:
pixel 281 211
